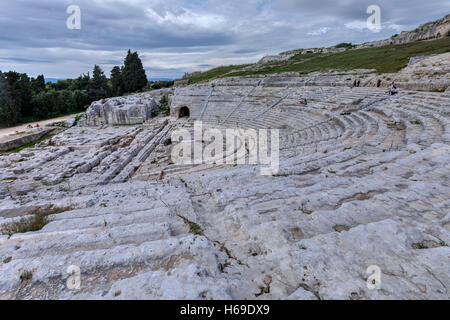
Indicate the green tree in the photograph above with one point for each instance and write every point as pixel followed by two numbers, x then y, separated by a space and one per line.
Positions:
pixel 117 85
pixel 24 95
pixel 60 85
pixel 9 110
pixel 98 88
pixel 82 82
pixel 38 84
pixel 133 73
pixel 19 91
pixel 81 98
pixel 42 104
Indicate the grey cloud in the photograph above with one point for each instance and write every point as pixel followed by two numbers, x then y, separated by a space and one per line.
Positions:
pixel 25 60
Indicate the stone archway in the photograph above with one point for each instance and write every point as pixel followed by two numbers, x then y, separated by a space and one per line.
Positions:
pixel 184 112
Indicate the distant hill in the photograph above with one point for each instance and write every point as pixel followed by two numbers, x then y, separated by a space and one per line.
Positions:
pixel 54 80
pixel 386 56
pixel 160 79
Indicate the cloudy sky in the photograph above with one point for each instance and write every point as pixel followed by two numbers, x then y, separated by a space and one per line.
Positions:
pixel 177 36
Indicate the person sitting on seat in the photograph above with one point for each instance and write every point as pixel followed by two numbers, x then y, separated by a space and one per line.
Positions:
pixel 393 89
pixel 37 125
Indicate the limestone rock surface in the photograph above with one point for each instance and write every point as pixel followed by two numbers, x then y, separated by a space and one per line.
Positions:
pixel 362 185
pixel 133 109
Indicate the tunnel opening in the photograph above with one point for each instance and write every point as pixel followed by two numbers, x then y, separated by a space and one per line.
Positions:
pixel 184 112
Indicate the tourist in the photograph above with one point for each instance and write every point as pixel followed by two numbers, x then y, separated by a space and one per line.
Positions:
pixel 392 89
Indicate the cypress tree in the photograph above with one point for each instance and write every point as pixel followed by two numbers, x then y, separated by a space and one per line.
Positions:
pixel 117 81
pixel 98 88
pixel 133 73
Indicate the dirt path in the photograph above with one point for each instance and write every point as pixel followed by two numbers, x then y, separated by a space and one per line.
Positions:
pixel 5 132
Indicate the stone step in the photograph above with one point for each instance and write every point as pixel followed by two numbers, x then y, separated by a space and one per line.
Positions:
pixel 100 268
pixel 71 241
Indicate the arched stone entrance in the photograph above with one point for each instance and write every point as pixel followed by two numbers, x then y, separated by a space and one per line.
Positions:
pixel 184 112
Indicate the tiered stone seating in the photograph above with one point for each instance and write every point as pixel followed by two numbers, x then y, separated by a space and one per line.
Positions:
pixel 363 180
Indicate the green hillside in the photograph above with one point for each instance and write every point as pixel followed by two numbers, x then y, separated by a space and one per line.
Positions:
pixel 386 59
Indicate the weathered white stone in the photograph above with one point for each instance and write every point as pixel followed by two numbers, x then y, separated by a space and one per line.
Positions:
pixel 134 109
pixel 363 181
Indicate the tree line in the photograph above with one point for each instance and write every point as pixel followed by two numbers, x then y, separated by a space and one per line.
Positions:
pixel 23 98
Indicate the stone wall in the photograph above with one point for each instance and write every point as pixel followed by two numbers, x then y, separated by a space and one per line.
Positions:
pixel 23 140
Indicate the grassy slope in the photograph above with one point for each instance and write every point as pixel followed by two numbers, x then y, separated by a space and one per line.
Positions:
pixel 386 59
pixel 215 73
